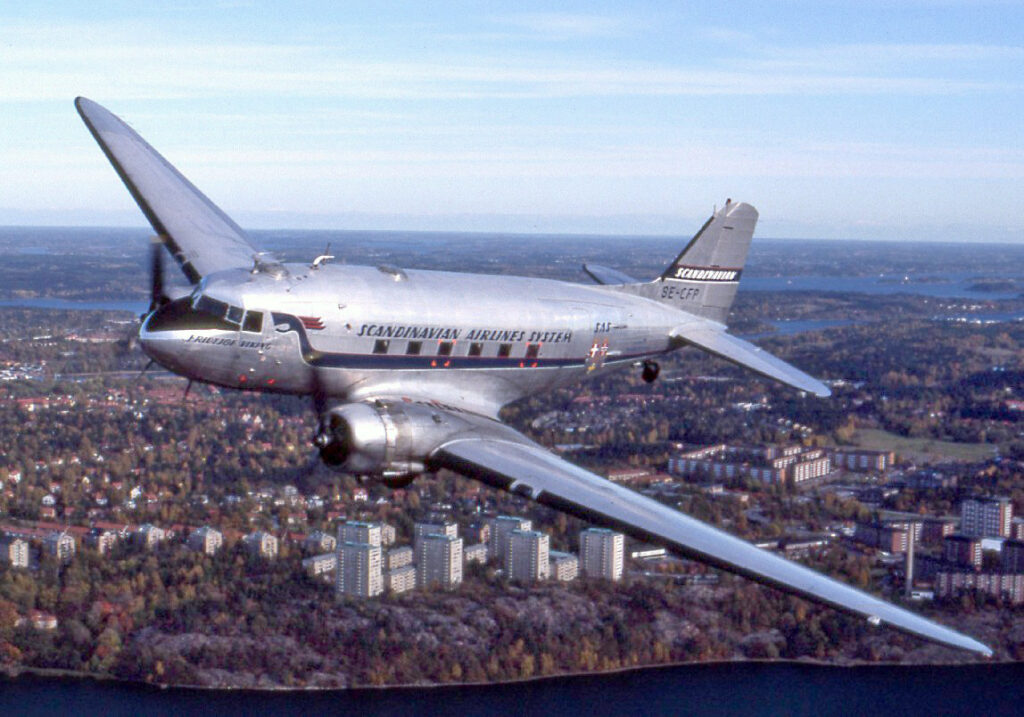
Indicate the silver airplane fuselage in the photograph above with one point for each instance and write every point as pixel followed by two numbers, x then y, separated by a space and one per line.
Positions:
pixel 356 332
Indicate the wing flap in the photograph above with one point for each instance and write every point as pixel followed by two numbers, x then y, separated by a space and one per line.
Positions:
pixel 506 460
pixel 201 237
pixel 736 350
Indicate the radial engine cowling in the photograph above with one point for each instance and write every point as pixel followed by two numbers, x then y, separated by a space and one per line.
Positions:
pixel 383 439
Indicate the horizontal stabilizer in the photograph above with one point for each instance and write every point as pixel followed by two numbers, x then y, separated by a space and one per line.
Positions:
pixel 604 275
pixel 718 342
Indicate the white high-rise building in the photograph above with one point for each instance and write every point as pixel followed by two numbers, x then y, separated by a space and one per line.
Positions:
pixel 501 527
pixel 986 517
pixel 15 552
pixel 60 545
pixel 526 556
pixel 263 544
pixel 206 540
pixel 438 561
pixel 355 531
pixel 401 579
pixel 421 530
pixel 564 566
pixel 399 557
pixel 601 553
pixel 359 571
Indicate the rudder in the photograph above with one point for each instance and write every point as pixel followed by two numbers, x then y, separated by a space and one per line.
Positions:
pixel 704 278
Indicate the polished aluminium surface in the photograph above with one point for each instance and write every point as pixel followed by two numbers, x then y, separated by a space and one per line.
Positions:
pixel 413 366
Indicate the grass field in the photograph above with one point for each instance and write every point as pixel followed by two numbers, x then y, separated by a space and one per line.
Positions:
pixel 921 449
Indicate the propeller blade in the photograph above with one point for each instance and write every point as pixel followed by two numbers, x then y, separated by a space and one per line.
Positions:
pixel 157 295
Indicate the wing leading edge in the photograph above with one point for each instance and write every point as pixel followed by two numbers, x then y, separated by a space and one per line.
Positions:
pixel 505 459
pixel 200 236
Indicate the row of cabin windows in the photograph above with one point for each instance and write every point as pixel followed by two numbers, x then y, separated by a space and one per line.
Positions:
pixel 233 316
pixel 446 348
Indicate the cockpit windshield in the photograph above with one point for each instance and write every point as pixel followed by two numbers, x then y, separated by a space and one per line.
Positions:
pixel 202 312
pixel 235 316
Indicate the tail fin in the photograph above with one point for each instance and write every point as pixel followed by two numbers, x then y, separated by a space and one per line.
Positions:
pixel 704 277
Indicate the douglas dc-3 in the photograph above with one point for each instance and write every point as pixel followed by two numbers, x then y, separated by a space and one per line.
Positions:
pixel 408 369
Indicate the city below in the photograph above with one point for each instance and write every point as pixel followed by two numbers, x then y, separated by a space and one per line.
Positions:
pixel 192 538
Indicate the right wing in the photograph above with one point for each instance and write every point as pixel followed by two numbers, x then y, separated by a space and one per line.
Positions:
pixel 201 237
pixel 709 337
pixel 501 457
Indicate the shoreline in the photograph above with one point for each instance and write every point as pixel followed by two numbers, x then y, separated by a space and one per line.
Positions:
pixel 15 672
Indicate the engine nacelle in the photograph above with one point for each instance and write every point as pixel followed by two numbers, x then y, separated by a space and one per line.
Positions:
pixel 650 371
pixel 389 440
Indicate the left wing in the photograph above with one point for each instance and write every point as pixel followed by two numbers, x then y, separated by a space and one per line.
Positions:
pixel 501 457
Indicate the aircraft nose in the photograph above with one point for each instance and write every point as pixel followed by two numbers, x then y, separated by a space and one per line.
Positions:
pixel 160 335
pixel 155 344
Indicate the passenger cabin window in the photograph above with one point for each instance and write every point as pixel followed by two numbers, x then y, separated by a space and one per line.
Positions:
pixel 444 348
pixel 476 348
pixel 253 322
pixel 380 346
pixel 414 348
pixel 532 351
pixel 504 350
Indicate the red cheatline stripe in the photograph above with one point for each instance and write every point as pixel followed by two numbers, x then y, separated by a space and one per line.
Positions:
pixel 312 322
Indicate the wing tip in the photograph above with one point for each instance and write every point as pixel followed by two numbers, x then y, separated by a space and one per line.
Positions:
pixel 85 106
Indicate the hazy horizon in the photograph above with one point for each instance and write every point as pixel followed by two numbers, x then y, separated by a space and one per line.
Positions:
pixel 877 120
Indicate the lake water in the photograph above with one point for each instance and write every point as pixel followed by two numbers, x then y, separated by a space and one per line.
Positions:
pixel 135 307
pixel 730 689
pixel 952 285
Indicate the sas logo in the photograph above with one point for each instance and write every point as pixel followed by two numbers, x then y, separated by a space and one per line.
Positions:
pixel 703 273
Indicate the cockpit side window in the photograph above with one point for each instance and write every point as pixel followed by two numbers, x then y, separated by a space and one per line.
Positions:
pixel 230 316
pixel 253 322
pixel 212 307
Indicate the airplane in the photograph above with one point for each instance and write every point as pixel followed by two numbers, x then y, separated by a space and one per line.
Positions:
pixel 408 369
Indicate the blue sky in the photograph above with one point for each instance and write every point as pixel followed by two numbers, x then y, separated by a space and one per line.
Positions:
pixel 876 120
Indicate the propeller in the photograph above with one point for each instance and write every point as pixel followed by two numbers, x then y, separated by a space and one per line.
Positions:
pixel 157 295
pixel 157 298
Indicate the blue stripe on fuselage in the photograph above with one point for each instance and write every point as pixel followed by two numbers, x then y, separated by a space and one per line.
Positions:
pixel 323 359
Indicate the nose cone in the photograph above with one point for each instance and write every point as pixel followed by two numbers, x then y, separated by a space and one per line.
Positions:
pixel 163 345
pixel 168 335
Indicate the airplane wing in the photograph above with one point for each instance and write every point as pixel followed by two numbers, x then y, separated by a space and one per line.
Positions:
pixel 201 237
pixel 501 457
pixel 716 341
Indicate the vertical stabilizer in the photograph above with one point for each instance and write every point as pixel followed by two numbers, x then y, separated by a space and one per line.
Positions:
pixel 704 277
